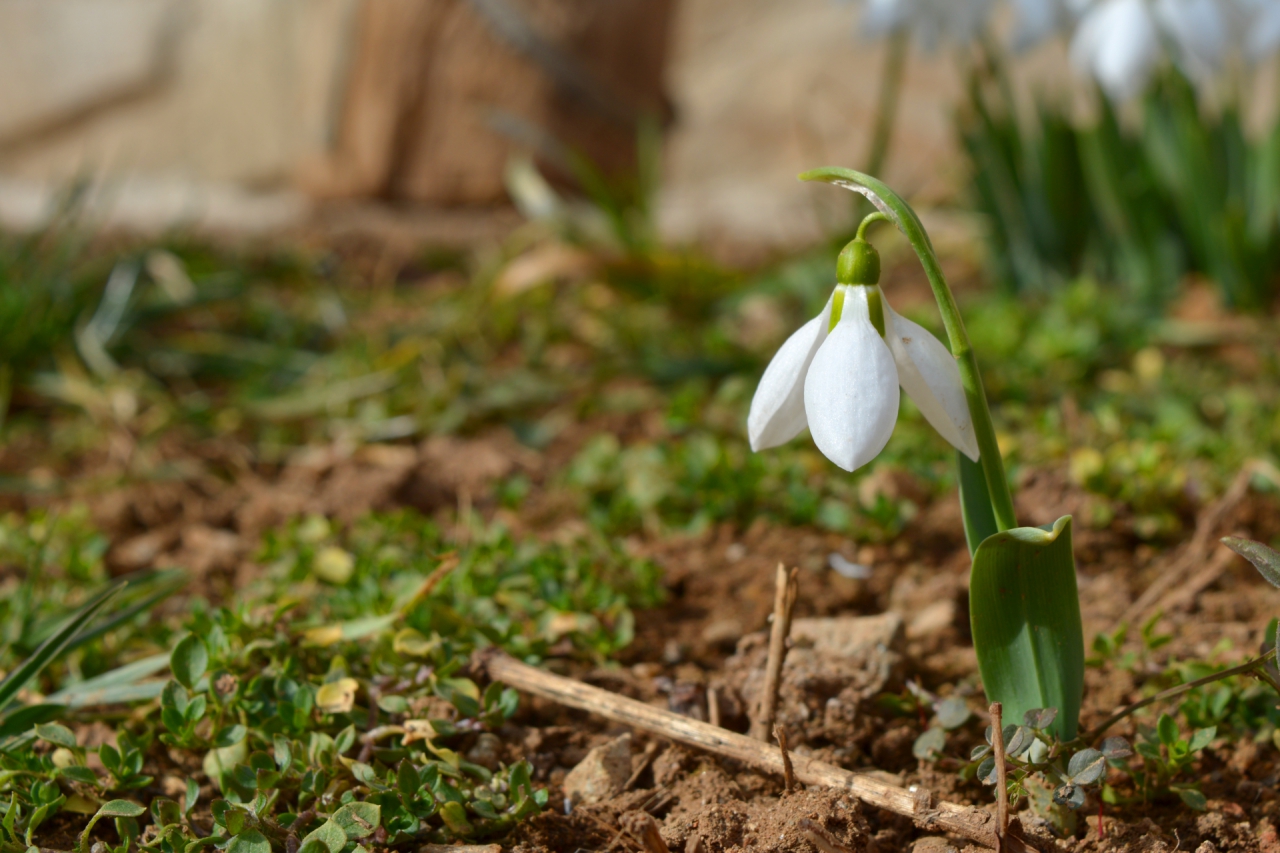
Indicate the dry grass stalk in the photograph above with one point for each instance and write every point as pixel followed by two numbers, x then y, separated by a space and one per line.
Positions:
pixel 915 802
pixel 784 601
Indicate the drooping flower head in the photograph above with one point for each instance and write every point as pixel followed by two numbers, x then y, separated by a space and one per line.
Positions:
pixel 839 374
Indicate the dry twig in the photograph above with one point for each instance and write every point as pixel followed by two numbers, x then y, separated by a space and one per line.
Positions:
pixel 1198 548
pixel 784 601
pixel 1002 774
pixel 788 770
pixel 915 802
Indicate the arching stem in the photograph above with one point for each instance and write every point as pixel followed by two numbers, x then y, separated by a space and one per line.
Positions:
pixel 892 208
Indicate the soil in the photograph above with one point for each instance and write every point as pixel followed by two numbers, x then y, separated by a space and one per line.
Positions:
pixel 710 634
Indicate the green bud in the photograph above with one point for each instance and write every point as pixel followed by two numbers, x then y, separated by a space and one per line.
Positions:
pixel 859 263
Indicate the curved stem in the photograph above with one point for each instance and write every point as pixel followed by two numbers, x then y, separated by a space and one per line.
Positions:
pixel 1255 666
pixel 870 218
pixel 892 207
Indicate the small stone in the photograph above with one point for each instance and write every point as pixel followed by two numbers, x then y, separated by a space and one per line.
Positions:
pixel 932 619
pixel 1207 847
pixel 849 636
pixel 722 632
pixel 601 774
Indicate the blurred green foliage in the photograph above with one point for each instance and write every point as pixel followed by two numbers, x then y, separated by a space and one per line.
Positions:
pixel 1183 188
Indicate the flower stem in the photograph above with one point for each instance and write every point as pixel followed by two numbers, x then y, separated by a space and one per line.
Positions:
pixel 892 207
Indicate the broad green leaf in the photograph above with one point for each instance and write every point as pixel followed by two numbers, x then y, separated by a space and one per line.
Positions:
pixel 330 834
pixel 1193 798
pixel 56 734
pixel 358 819
pixel 189 661
pixel 975 503
pixel 1202 738
pixel 1025 615
pixel 1265 560
pixel 249 841
pixel 1167 728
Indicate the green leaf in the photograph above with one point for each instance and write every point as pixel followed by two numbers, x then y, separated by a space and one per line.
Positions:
pixel 953 712
pixel 54 646
pixel 1193 798
pixel 1202 738
pixel 1167 729
pixel 249 841
pixel 929 745
pixel 1265 560
pixel 1086 767
pixel 120 808
pixel 330 834
pixel 56 734
pixel 20 720
pixel 189 661
pixel 358 819
pixel 1025 615
pixel 975 503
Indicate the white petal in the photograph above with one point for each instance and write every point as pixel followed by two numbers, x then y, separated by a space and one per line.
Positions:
pixel 777 409
pixel 931 378
pixel 1117 43
pixel 851 392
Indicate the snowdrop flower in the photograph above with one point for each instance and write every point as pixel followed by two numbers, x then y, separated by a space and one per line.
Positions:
pixel 1120 42
pixel 839 375
pixel 962 21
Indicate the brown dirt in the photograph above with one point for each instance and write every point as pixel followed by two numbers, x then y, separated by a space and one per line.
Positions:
pixel 709 634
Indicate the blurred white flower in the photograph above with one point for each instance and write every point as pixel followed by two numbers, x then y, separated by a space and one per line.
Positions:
pixel 842 382
pixel 961 21
pixel 1037 20
pixel 1260 22
pixel 1120 42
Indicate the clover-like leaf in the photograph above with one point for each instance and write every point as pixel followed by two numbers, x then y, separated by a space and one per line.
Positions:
pixel 1040 718
pixel 1019 742
pixel 953 712
pixel 1115 748
pixel 930 744
pixel 982 750
pixel 1266 560
pixel 1071 796
pixel 1087 766
pixel 987 771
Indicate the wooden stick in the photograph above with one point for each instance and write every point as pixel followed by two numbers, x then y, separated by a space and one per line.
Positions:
pixel 1002 773
pixel 784 601
pixel 915 802
pixel 788 770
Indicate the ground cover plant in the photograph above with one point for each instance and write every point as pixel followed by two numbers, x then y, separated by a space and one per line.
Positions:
pixel 359 485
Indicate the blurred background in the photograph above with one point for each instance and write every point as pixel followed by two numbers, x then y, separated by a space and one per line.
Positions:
pixel 247 116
